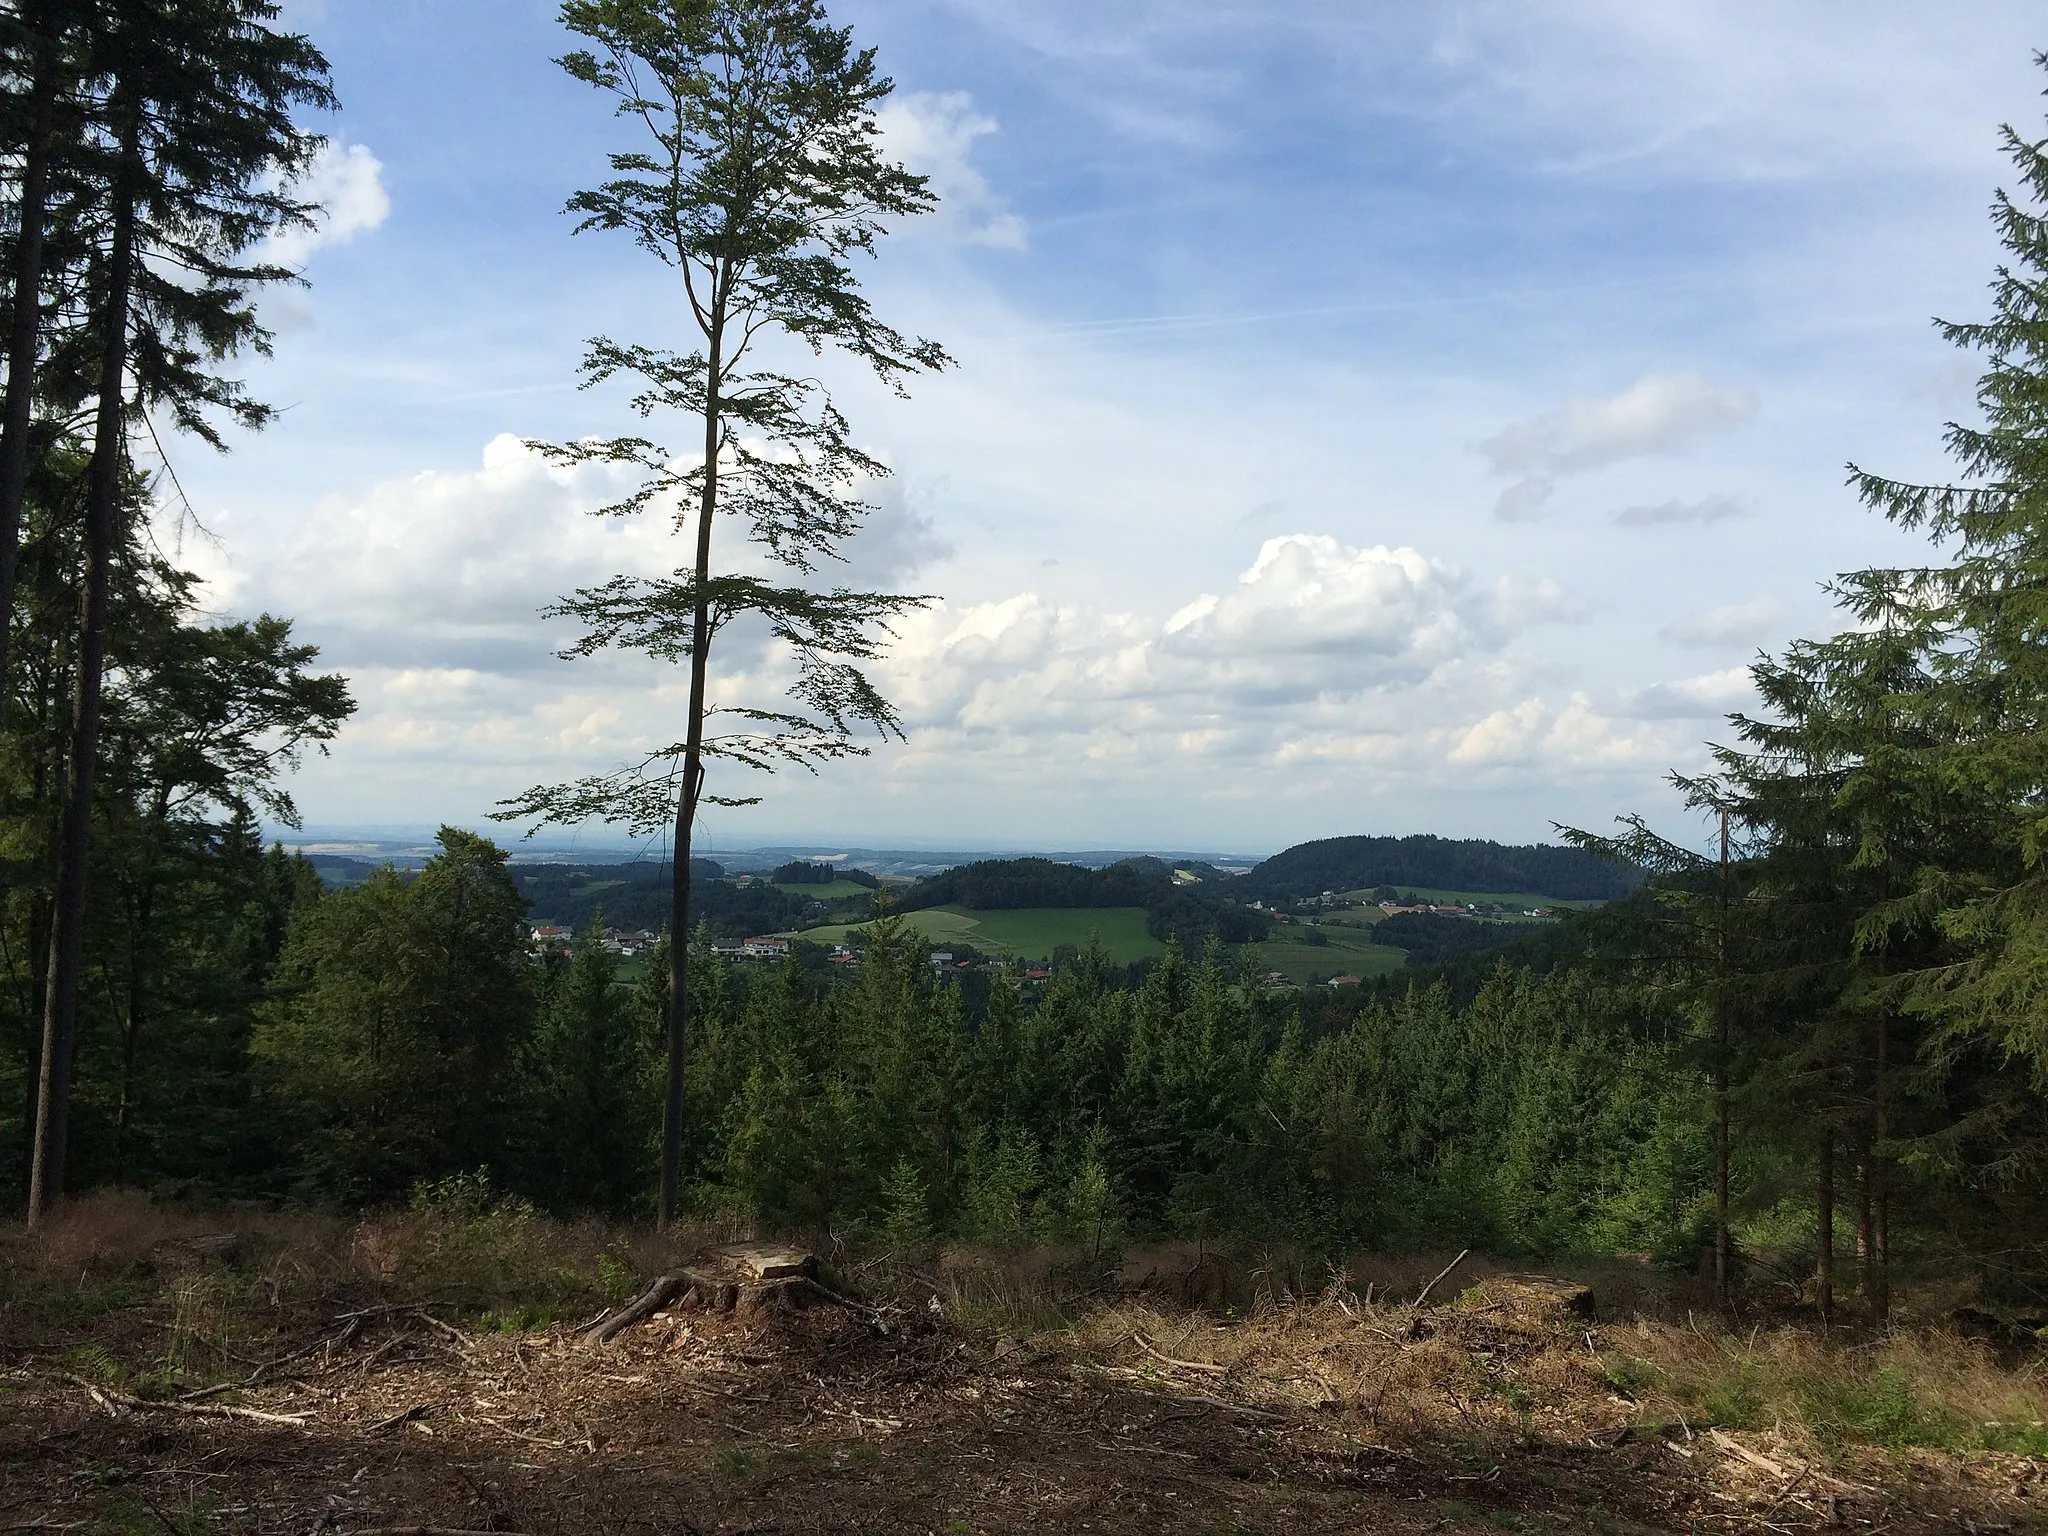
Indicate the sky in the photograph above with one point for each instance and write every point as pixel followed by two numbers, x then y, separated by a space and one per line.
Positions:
pixel 1366 417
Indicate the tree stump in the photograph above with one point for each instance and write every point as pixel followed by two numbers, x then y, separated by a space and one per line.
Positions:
pixel 747 1279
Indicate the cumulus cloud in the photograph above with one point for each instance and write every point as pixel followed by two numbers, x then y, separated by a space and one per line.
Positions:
pixel 1665 514
pixel 1320 662
pixel 1709 695
pixel 1321 658
pixel 1660 413
pixel 933 133
pixel 1731 624
pixel 348 184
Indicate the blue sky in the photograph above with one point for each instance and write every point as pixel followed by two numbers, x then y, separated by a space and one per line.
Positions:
pixel 1368 417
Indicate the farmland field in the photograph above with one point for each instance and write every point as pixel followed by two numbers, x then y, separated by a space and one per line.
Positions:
pixel 1030 933
pixel 838 890
pixel 1349 951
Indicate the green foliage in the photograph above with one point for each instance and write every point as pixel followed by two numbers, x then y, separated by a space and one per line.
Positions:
pixel 906 1217
pixel 390 1047
pixel 586 1117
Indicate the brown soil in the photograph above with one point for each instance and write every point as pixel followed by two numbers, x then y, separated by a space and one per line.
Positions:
pixel 1494 1413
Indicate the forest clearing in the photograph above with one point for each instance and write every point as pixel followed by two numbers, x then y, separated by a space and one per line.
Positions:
pixel 169 1374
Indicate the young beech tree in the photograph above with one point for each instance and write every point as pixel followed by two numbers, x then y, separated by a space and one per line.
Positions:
pixel 758 180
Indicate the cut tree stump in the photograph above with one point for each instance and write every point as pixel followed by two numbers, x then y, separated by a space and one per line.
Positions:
pixel 752 1279
pixel 766 1261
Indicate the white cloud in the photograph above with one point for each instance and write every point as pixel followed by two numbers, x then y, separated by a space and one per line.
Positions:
pixel 1665 514
pixel 1658 414
pixel 1711 694
pixel 348 184
pixel 933 133
pixel 1731 624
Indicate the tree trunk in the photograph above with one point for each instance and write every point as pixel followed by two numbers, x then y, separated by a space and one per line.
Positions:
pixel 1880 1181
pixel 24 337
pixel 1721 1074
pixel 1824 1219
pixel 693 784
pixel 1863 1218
pixel 131 1033
pixel 102 512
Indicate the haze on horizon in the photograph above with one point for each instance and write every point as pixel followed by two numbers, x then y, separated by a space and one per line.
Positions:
pixel 1366 419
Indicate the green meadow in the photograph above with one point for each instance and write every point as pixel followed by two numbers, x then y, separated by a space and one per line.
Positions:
pixel 838 890
pixel 1030 933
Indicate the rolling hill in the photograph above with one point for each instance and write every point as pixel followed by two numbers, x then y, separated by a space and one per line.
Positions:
pixel 1362 863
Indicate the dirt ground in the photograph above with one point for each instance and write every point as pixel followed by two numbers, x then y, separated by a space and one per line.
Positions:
pixel 1496 1412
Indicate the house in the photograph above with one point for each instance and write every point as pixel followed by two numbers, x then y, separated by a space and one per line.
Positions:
pixel 942 957
pixel 727 949
pixel 545 934
pixel 1344 981
pixel 1037 975
pixel 765 949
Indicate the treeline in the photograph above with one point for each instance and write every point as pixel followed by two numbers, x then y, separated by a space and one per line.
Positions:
pixel 1435 863
pixel 402 1029
pixel 406 1031
pixel 804 872
pixel 1188 913
pixel 636 896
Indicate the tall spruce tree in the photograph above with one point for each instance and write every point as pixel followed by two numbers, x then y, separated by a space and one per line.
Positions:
pixel 758 180
pixel 41 42
pixel 1987 613
pixel 191 133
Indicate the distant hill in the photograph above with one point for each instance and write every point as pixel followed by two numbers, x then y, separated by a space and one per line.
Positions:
pixel 1434 863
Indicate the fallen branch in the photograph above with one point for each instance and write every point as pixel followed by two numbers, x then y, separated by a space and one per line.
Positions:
pixel 422 1530
pixel 519 1434
pixel 1201 1401
pixel 665 1289
pixel 1440 1274
pixel 1735 1448
pixel 404 1416
pixel 456 1334
pixel 1206 1367
pixel 1776 1469
pixel 387 1309
pixel 108 1398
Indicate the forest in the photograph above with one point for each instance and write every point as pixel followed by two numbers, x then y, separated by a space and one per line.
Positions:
pixel 1825 1037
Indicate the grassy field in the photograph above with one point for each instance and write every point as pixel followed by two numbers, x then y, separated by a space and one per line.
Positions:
pixel 1350 951
pixel 838 890
pixel 1031 933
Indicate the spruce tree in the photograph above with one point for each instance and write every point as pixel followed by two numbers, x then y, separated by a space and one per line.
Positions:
pixel 191 132
pixel 1986 615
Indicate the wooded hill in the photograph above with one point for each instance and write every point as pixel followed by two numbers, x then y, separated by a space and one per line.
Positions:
pixel 637 896
pixel 1434 863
